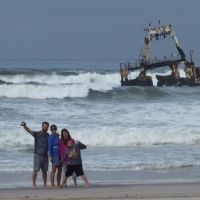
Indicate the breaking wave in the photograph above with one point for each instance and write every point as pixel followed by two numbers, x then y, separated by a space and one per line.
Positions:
pixel 117 137
pixel 82 85
pixel 57 86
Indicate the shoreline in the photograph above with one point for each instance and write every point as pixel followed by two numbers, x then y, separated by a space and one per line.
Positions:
pixel 17 179
pixel 171 184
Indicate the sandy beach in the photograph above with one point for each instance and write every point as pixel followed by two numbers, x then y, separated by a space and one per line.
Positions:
pixel 170 184
pixel 153 191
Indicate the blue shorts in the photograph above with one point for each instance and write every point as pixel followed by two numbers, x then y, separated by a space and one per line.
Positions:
pixel 55 161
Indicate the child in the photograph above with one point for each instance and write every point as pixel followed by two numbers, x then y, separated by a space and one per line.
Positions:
pixel 75 161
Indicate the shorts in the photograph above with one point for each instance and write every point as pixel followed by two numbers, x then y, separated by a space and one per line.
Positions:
pixel 78 169
pixel 40 162
pixel 65 169
pixel 55 161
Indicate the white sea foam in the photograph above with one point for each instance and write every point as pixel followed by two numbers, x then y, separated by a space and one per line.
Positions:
pixel 58 86
pixel 44 92
pixel 136 136
pixel 114 137
pixel 55 79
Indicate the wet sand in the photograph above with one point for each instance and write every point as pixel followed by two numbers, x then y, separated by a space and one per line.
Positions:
pixel 153 191
pixel 166 184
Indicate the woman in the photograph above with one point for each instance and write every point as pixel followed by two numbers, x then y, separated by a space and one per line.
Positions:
pixel 65 135
pixel 54 155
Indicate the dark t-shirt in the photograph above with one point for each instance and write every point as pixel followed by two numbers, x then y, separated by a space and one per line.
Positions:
pixel 74 154
pixel 41 143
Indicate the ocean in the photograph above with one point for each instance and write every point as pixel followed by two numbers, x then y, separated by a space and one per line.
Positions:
pixel 125 128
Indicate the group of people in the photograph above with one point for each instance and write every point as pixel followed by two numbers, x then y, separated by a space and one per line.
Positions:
pixel 63 153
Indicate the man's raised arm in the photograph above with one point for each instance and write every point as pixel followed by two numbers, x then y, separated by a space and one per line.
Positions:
pixel 26 128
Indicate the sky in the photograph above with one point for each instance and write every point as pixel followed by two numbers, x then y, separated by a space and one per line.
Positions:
pixel 94 29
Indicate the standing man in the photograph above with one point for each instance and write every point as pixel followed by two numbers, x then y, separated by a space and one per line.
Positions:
pixel 41 160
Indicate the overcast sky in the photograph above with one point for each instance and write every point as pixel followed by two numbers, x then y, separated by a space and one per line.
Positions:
pixel 94 29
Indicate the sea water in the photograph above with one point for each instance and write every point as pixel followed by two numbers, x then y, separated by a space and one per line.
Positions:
pixel 125 128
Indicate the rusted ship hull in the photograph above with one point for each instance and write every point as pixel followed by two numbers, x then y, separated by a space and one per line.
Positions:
pixel 170 81
pixel 166 80
pixel 137 82
pixel 193 84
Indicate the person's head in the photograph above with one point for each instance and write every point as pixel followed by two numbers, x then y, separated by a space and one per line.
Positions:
pixel 45 127
pixel 65 134
pixel 53 129
pixel 68 142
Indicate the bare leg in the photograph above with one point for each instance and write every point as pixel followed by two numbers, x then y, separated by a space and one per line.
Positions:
pixel 74 179
pixel 87 185
pixel 44 175
pixel 64 185
pixel 59 174
pixel 64 170
pixel 64 181
pixel 52 176
pixel 34 176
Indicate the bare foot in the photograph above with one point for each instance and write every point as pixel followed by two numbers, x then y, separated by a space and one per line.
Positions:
pixel 34 186
pixel 87 186
pixel 61 186
pixel 54 186
pixel 75 185
pixel 46 186
pixel 65 185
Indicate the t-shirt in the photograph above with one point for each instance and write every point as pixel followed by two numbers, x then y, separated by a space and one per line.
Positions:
pixel 74 154
pixel 41 143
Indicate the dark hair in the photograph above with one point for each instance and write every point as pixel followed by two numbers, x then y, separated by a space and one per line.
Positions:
pixel 45 123
pixel 66 141
pixel 53 126
pixel 62 137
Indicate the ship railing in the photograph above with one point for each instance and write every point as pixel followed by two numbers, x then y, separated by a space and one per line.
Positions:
pixel 155 60
pixel 138 64
pixel 131 64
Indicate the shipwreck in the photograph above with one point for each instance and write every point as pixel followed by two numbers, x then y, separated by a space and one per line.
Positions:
pixel 192 73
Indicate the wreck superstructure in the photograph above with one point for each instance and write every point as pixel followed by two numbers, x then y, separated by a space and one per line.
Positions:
pixel 145 63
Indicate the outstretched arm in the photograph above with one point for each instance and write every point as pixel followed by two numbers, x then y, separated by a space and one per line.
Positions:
pixel 26 128
pixel 64 157
pixel 81 145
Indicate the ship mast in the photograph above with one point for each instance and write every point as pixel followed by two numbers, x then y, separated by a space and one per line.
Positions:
pixel 157 32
